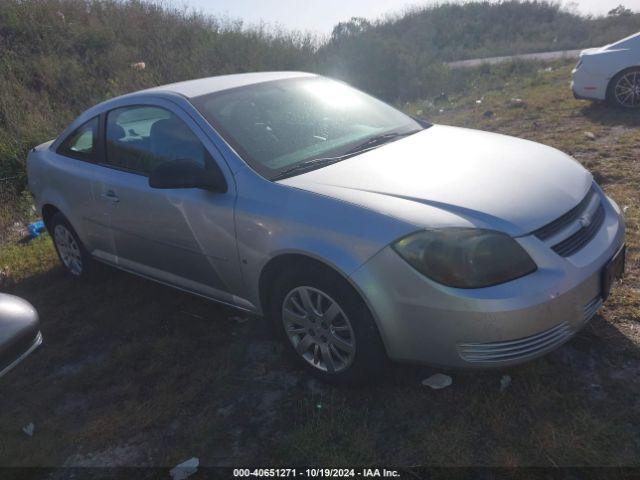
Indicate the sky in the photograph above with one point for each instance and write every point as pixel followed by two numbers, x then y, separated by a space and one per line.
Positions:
pixel 320 16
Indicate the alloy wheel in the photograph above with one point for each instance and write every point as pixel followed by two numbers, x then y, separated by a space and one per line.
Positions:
pixel 627 90
pixel 318 329
pixel 68 249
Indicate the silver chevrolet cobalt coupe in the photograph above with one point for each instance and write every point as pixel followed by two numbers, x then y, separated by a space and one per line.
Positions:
pixel 360 232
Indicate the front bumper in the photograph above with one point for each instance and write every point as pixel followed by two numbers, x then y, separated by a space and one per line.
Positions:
pixel 19 352
pixel 588 85
pixel 19 331
pixel 577 95
pixel 422 321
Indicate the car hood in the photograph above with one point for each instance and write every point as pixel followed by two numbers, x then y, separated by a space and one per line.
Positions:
pixel 448 176
pixel 593 51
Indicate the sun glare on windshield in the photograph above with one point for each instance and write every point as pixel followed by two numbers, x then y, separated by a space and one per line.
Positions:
pixel 334 94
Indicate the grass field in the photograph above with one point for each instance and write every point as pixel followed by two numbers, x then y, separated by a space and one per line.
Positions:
pixel 133 373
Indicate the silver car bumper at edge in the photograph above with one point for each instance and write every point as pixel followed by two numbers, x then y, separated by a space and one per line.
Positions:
pixel 37 341
pixel 424 322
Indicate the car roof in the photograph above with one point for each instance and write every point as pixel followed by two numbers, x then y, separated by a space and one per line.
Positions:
pixel 188 89
pixel 203 86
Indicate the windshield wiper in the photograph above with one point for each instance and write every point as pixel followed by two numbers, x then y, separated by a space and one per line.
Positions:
pixel 307 165
pixel 368 144
pixel 379 140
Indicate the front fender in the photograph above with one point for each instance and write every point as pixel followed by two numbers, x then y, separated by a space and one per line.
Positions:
pixel 274 219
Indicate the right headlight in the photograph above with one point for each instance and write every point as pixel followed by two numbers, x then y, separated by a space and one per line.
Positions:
pixel 465 257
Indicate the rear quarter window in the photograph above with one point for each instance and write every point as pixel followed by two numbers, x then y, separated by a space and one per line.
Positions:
pixel 82 143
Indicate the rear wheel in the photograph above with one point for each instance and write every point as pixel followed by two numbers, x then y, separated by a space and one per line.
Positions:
pixel 326 326
pixel 624 89
pixel 74 257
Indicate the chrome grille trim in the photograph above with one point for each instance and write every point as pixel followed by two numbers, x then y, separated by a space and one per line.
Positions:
pixel 515 349
pixel 578 240
pixel 565 220
pixel 572 231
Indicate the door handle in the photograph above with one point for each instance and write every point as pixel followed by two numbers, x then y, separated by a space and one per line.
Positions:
pixel 111 196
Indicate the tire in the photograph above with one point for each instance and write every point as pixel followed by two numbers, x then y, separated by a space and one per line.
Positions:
pixel 74 257
pixel 624 89
pixel 319 342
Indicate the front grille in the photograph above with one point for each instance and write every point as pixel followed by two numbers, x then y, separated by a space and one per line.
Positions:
pixel 572 231
pixel 496 352
pixel 565 220
pixel 575 242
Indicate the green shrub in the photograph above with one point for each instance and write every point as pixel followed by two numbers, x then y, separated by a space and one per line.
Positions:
pixel 399 58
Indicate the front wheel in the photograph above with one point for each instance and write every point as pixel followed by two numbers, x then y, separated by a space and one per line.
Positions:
pixel 327 327
pixel 624 89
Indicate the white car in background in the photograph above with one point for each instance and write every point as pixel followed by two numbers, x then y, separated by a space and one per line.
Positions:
pixel 610 73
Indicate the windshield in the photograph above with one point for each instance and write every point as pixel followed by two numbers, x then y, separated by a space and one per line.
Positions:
pixel 278 126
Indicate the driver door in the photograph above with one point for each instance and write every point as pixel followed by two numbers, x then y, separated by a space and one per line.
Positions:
pixel 183 237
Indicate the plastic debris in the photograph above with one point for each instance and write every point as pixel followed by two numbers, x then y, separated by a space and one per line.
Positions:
pixel 35 228
pixel 438 381
pixel 139 66
pixel 29 429
pixel 185 469
pixel 590 135
pixel 488 114
pixel 505 381
pixel 239 319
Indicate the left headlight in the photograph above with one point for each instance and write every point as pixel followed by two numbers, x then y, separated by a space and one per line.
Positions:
pixel 465 257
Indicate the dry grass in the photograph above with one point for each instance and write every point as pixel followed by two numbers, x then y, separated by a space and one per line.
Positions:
pixel 136 373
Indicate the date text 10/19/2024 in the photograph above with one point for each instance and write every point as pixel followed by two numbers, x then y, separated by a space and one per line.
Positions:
pixel 315 473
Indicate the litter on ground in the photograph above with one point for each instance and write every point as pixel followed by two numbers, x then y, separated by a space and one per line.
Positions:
pixel 505 381
pixel 35 228
pixel 438 381
pixel 29 429
pixel 185 469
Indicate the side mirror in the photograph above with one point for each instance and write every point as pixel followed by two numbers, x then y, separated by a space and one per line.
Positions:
pixel 19 331
pixel 186 173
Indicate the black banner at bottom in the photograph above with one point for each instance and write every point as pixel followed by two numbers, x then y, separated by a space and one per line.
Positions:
pixel 415 473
